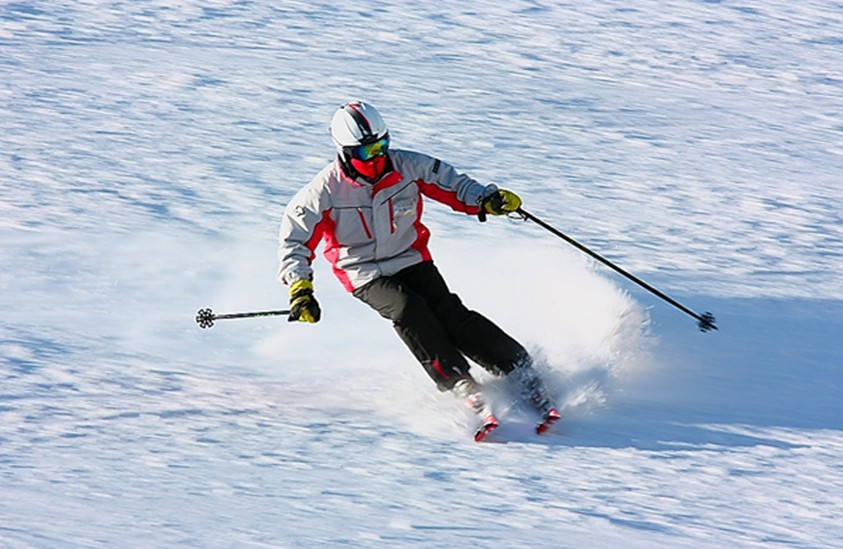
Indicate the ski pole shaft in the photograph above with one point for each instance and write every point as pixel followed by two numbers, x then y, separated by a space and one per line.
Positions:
pixel 705 321
pixel 206 317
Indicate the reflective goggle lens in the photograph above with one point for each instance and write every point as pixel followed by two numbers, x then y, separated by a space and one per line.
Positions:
pixel 371 150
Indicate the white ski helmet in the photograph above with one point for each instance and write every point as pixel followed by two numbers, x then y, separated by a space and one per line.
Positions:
pixel 357 123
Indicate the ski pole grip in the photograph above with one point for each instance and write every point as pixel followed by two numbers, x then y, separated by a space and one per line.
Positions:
pixel 481 213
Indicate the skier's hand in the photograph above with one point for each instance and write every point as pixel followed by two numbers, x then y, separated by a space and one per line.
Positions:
pixel 303 306
pixel 501 202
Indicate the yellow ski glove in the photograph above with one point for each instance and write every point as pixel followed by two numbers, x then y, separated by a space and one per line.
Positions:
pixel 303 306
pixel 501 202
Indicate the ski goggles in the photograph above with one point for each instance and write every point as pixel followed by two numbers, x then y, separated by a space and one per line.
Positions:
pixel 368 151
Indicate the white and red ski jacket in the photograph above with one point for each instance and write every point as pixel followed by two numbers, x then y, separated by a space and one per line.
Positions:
pixel 370 230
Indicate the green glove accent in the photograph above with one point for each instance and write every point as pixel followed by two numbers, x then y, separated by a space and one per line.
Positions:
pixel 502 202
pixel 303 306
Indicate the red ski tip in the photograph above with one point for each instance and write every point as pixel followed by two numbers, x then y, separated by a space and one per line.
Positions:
pixel 489 425
pixel 551 417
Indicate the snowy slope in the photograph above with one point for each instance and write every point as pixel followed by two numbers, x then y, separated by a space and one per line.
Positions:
pixel 148 148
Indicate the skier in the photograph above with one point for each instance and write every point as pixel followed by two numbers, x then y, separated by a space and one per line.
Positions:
pixel 367 205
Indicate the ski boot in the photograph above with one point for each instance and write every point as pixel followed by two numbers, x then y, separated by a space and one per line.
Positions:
pixel 532 389
pixel 468 390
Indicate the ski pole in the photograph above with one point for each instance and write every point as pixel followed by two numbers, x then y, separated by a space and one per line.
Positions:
pixel 206 317
pixel 705 320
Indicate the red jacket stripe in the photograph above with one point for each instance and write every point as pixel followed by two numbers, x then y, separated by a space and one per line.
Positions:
pixel 422 234
pixel 446 197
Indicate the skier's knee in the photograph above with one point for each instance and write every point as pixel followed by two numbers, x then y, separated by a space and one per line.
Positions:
pixel 407 310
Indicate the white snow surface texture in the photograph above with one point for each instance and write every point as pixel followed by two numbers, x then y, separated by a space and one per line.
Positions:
pixel 148 148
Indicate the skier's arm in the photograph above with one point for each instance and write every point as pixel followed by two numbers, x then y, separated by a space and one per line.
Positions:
pixel 442 182
pixel 301 231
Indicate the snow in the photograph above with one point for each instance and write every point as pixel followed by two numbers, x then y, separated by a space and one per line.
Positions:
pixel 148 149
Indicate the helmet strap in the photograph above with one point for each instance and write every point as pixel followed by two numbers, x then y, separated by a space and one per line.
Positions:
pixel 347 168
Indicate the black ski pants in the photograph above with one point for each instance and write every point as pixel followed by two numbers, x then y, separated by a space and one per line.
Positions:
pixel 438 329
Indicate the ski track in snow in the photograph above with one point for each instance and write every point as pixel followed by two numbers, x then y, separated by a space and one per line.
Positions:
pixel 148 149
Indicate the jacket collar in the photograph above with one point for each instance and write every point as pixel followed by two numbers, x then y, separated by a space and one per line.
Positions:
pixel 388 180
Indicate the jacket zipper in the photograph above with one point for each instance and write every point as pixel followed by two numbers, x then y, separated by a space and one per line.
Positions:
pixel 391 217
pixel 363 222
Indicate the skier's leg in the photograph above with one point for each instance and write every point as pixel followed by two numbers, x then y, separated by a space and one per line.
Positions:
pixel 475 335
pixel 532 388
pixel 482 340
pixel 418 328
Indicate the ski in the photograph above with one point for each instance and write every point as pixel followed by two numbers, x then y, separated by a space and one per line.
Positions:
pixel 533 391
pixel 468 390
pixel 490 423
pixel 551 417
